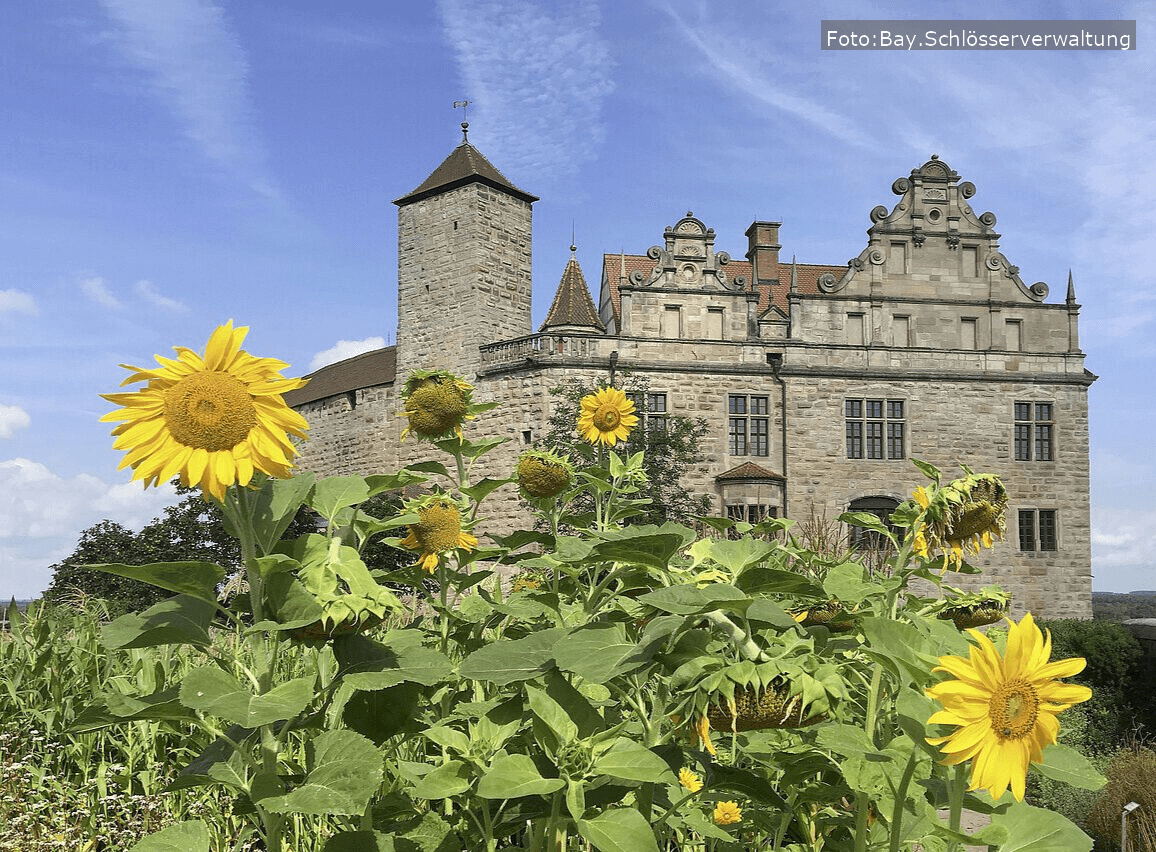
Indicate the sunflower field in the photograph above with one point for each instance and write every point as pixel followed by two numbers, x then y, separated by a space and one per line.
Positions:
pixel 587 684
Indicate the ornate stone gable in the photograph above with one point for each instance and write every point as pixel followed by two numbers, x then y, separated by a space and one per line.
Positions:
pixel 687 260
pixel 934 217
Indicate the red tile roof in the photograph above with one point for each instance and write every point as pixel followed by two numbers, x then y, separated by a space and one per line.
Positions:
pixel 748 470
pixel 807 273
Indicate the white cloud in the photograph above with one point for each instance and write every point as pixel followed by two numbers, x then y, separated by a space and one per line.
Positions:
pixel 198 68
pixel 42 515
pixel 1123 548
pixel 96 290
pixel 147 292
pixel 345 349
pixel 12 419
pixel 16 301
pixel 536 76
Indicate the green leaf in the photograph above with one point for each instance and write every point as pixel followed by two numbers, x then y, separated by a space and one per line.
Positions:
pixel 379 482
pixel 159 705
pixel 599 652
pixel 770 613
pixel 733 554
pixel 1023 828
pixel 197 579
pixel 552 715
pixel 334 493
pixel 753 785
pixel 443 781
pixel 428 467
pixel 759 580
pixel 588 720
pixel 211 690
pixel 929 470
pixel 346 770
pixel 189 836
pixel 481 490
pixel 382 713
pixel 514 775
pixel 1064 763
pixel 847 582
pixel 631 761
pixel 511 660
pixel 847 740
pixel 448 738
pixel 654 551
pixel 619 830
pixel 275 505
pixel 369 841
pixel 181 620
pixel 368 664
pixel 688 600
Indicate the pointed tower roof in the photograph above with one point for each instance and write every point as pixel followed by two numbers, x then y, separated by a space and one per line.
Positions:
pixel 464 165
pixel 572 305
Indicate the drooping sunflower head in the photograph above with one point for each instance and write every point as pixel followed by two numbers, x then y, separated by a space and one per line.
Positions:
pixel 437 403
pixel 439 530
pixel 606 417
pixel 974 609
pixel 214 418
pixel 967 514
pixel 1004 707
pixel 543 474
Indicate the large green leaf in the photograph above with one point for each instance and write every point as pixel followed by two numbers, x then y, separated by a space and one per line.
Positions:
pixel 619 830
pixel 687 600
pixel 848 583
pixel 274 506
pixel 369 841
pixel 1023 828
pixel 443 781
pixel 211 690
pixel 653 550
pixel 382 713
pixel 368 664
pixel 759 579
pixel 190 836
pixel 901 647
pixel 599 652
pixel 334 493
pixel 553 715
pixel 1064 763
pixel 345 771
pixel 514 775
pixel 181 620
pixel 512 660
pixel 631 761
pixel 733 554
pixel 198 579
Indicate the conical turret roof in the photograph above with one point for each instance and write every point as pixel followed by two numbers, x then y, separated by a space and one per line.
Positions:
pixel 463 166
pixel 572 305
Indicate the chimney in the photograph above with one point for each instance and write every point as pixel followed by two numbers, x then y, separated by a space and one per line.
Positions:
pixel 763 253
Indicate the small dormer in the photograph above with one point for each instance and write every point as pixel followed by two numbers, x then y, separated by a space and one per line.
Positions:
pixel 687 260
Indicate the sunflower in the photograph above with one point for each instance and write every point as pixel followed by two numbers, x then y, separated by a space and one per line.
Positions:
pixel 542 473
pixel 727 813
pixel 437 403
pixel 439 531
pixel 689 779
pixel 1004 707
pixel 607 416
pixel 967 514
pixel 213 418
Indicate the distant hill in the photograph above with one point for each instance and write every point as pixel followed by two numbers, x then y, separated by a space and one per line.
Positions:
pixel 1111 606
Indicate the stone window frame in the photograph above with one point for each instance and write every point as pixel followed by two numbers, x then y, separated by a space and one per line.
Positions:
pixel 749 424
pixel 1038 530
pixel 875 428
pixel 964 324
pixel 722 328
pixel 1034 430
pixel 653 415
pixel 882 507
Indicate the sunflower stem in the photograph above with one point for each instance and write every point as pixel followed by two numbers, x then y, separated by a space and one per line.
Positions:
pixel 900 801
pixel 955 802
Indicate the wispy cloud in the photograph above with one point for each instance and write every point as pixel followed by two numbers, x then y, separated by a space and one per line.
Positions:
pixel 96 290
pixel 1123 544
pixel 17 302
pixel 345 349
pixel 536 75
pixel 738 66
pixel 12 419
pixel 197 67
pixel 147 292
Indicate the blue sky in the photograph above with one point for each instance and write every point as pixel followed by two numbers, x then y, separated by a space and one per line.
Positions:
pixel 166 165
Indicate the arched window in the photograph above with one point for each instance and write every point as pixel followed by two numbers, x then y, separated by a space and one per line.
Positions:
pixel 880 507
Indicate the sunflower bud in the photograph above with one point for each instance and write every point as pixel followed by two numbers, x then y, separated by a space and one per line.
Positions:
pixel 543 474
pixel 436 404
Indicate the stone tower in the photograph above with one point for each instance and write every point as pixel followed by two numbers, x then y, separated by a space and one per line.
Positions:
pixel 463 277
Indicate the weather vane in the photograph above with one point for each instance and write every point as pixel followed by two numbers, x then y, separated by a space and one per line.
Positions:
pixel 465 124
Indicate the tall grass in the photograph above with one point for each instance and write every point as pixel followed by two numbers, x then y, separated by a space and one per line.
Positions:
pixel 65 785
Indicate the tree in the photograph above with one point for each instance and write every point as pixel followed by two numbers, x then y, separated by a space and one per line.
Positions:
pixel 670 442
pixel 191 530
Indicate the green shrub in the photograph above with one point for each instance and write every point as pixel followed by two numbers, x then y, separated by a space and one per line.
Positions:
pixel 1131 778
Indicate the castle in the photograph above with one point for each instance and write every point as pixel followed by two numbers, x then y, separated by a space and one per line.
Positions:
pixel 820 382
